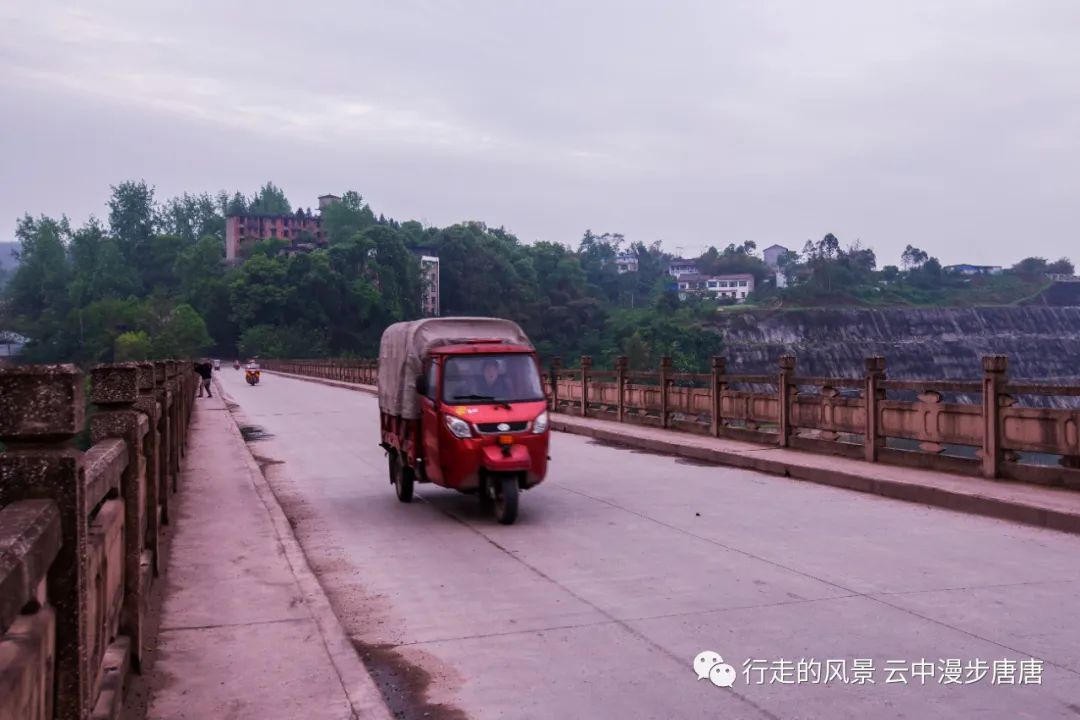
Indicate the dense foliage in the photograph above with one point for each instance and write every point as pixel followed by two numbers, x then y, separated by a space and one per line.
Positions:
pixel 152 282
pixel 827 274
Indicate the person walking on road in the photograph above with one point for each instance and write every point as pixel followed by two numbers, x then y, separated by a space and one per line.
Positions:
pixel 205 371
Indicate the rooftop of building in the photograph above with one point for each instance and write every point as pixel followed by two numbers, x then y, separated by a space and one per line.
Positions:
pixel 307 215
pixel 699 277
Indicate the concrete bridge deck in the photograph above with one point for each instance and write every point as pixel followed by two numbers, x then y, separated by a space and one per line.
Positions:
pixel 625 565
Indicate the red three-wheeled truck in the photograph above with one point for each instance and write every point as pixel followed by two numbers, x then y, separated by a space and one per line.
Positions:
pixel 462 406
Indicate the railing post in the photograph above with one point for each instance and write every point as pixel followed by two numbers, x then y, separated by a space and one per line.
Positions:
pixel 148 405
pixel 785 398
pixel 175 418
pixel 183 410
pixel 164 397
pixel 115 389
pixel 717 386
pixel 586 365
pixel 665 373
pixel 872 397
pixel 556 368
pixel 43 409
pixel 620 384
pixel 995 368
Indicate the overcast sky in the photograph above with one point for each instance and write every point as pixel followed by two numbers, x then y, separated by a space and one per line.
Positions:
pixel 950 124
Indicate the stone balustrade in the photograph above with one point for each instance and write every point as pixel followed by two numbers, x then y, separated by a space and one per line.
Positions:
pixel 80 531
pixel 345 370
pixel 922 423
pixel 1006 433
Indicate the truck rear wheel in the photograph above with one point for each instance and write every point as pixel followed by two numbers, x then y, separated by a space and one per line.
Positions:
pixel 506 499
pixel 403 478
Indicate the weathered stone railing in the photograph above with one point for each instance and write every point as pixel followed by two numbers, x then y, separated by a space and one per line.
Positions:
pixel 907 422
pixel 357 371
pixel 880 420
pixel 79 531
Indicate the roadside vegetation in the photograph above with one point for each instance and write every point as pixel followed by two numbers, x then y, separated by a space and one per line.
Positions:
pixel 150 281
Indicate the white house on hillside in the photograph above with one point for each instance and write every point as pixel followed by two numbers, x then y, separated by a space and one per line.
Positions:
pixel 735 286
pixel 680 266
pixel 627 262
pixel 772 255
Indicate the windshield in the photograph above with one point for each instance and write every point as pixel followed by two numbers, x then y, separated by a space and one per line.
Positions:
pixel 477 379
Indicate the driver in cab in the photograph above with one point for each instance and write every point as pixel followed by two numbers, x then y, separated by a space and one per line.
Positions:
pixel 491 383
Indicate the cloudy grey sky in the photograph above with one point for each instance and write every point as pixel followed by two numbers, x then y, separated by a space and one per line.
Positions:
pixel 953 125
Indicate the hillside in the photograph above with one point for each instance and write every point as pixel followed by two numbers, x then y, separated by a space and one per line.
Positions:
pixel 1041 342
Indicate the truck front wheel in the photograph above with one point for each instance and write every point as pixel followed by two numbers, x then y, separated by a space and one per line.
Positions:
pixel 403 478
pixel 506 499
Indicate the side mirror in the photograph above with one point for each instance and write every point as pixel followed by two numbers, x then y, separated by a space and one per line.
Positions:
pixel 421 384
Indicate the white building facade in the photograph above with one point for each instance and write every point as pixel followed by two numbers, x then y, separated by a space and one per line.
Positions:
pixel 429 295
pixel 679 267
pixel 731 287
pixel 627 262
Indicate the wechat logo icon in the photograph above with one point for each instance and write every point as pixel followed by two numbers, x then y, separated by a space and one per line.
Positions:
pixel 709 664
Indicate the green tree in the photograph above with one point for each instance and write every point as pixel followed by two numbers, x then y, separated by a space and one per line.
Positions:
pixel 397 274
pixel 98 267
pixel 733 260
pixel 270 200
pixel 344 219
pixel 191 217
pixel 236 205
pixel 132 213
pixel 1061 266
pixel 928 275
pixel 258 294
pixel 261 341
pixel 637 351
pixel 133 346
pixel 88 334
pixel 296 341
pixel 39 289
pixel 198 264
pixel 184 335
pixel 890 273
pixel 1031 266
pixel 913 257
pixel 597 254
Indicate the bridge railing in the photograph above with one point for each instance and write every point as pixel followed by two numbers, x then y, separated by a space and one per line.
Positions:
pixel 933 424
pixel 80 531
pixel 345 370
pixel 922 423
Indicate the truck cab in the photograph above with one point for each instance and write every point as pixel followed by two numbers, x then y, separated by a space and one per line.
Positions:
pixel 482 407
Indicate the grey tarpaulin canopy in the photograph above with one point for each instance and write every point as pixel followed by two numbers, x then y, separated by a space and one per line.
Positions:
pixel 404 345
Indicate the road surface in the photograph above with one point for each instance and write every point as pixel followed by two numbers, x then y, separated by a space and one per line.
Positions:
pixel 623 566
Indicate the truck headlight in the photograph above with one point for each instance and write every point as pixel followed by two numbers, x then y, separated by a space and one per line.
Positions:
pixel 540 424
pixel 458 427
